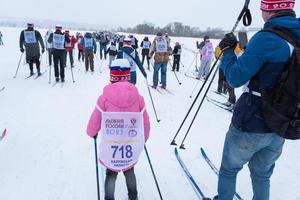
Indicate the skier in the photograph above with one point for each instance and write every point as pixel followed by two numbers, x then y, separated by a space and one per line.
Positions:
pixel 145 44
pixel 70 46
pixel 207 55
pixel 168 38
pixel 161 50
pixel 130 111
pixel 59 39
pixel 223 86
pixel 112 51
pixel 134 42
pixel 132 56
pixel 1 40
pixel 103 41
pixel 49 47
pixel 176 56
pixel 249 139
pixel 32 40
pixel 80 47
pixel 90 48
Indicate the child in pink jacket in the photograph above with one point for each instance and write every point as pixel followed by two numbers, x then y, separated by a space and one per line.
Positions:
pixel 120 96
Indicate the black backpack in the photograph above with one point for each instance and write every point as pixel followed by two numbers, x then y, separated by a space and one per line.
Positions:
pixel 281 107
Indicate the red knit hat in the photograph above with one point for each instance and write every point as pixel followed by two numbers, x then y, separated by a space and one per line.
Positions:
pixel 120 70
pixel 277 5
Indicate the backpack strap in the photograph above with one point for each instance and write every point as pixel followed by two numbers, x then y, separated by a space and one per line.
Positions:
pixel 285 34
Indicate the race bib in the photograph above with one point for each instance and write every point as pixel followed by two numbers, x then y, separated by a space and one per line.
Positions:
pixel 179 52
pixel 161 45
pixel 122 139
pixel 58 41
pixel 146 44
pixel 88 42
pixel 130 60
pixel 29 37
pixel 113 48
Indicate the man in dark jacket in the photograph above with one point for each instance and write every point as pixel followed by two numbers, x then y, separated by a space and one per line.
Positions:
pixel 58 39
pixel 32 40
pixel 249 139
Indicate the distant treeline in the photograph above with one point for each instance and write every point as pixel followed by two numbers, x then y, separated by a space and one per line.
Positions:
pixel 174 29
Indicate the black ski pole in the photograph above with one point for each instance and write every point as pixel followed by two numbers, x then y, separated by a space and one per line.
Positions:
pixel 49 74
pixel 72 74
pixel 158 120
pixel 199 92
pixel 150 164
pixel 175 75
pixel 19 65
pixel 182 143
pixel 97 172
pixel 245 13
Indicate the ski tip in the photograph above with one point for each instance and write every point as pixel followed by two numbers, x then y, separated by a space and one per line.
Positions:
pixel 202 151
pixel 176 150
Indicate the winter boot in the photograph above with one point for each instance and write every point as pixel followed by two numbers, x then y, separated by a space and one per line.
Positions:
pixel 56 79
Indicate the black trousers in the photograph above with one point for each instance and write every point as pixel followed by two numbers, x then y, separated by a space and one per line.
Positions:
pixel 176 62
pixel 59 58
pixel 147 58
pixel 110 182
pixel 223 86
pixel 50 55
pixel 80 55
pixel 32 60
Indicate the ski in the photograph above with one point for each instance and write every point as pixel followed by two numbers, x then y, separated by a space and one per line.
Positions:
pixel 189 176
pixel 214 168
pixel 166 90
pixel 54 84
pixel 3 134
pixel 156 89
pixel 2 88
pixel 221 94
pixel 219 104
pixel 31 75
pixel 190 76
pixel 40 75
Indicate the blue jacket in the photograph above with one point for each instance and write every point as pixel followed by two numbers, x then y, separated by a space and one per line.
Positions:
pixel 261 64
pixel 129 53
pixel 82 43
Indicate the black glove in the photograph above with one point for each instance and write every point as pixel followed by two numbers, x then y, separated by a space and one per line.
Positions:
pixel 22 50
pixel 228 42
pixel 43 50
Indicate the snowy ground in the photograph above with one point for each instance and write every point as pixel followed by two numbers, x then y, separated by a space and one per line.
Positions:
pixel 47 154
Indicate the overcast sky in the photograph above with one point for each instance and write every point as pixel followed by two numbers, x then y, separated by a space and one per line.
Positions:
pixel 115 13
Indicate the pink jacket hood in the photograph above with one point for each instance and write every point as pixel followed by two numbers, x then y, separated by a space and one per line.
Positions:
pixel 120 94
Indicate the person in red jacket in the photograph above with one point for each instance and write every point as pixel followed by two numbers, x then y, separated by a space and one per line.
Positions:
pixel 70 46
pixel 80 48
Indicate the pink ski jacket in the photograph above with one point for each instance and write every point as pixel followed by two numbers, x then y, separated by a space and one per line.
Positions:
pixel 116 97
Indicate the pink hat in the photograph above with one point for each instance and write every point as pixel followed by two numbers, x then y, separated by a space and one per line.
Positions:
pixel 277 5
